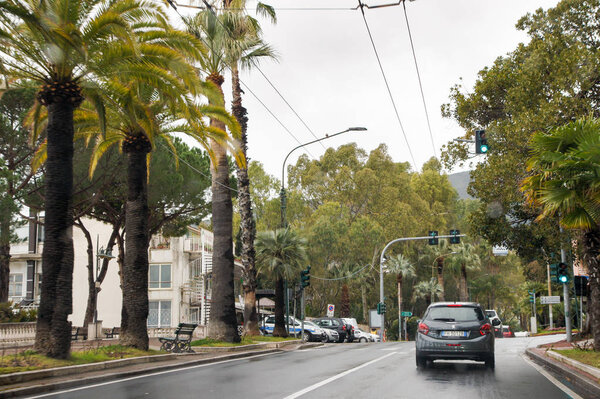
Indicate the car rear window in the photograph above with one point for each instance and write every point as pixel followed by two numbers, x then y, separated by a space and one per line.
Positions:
pixel 455 313
pixel 490 313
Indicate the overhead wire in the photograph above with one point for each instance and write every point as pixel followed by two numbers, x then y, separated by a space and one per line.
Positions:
pixel 342 278
pixel 412 46
pixel 361 6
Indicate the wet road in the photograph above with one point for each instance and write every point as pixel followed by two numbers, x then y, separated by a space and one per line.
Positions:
pixel 342 371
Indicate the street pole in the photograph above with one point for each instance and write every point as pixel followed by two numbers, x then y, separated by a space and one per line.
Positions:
pixel 563 258
pixel 302 311
pixel 283 197
pixel 549 294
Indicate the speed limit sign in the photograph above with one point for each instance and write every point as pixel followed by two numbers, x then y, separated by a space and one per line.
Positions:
pixel 330 309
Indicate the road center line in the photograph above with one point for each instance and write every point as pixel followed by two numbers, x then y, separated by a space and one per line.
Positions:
pixel 553 380
pixel 335 377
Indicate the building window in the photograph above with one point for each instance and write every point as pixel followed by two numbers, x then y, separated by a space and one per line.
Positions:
pixel 160 276
pixel 195 315
pixel 159 314
pixel 15 285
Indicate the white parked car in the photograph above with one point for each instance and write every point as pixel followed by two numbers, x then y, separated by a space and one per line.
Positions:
pixel 312 332
pixel 362 336
pixel 332 335
pixel 375 337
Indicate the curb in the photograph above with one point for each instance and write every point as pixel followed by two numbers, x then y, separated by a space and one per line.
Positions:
pixel 578 365
pixel 590 388
pixel 47 388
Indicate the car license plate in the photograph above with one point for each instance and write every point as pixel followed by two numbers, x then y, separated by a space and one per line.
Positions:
pixel 454 333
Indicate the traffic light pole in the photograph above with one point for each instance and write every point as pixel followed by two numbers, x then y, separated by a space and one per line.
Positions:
pixel 302 311
pixel 381 294
pixel 549 294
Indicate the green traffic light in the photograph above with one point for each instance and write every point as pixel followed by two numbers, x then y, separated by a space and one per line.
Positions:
pixel 563 279
pixel 483 149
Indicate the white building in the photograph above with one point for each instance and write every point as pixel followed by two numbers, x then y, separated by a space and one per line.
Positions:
pixel 179 276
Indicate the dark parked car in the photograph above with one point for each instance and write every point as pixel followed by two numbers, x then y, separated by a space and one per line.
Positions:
pixel 455 330
pixel 335 323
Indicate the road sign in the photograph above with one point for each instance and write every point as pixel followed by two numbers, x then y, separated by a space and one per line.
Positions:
pixel 405 314
pixel 330 309
pixel 547 300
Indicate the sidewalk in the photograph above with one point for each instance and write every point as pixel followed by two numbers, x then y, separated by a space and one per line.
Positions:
pixel 51 380
pixel 585 378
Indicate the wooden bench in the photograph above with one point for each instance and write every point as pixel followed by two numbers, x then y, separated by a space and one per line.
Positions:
pixel 78 332
pixel 110 333
pixel 181 342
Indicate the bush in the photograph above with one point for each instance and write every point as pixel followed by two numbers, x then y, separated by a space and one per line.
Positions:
pixel 10 313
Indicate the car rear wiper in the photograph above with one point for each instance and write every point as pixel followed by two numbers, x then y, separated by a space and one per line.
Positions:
pixel 444 319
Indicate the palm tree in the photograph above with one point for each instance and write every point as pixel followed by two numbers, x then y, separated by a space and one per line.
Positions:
pixel 244 49
pixel 427 290
pixel 400 265
pixel 564 164
pixel 464 259
pixel 282 253
pixel 343 272
pixel 436 256
pixel 50 42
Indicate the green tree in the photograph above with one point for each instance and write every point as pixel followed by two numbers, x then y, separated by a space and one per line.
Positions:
pixel 564 182
pixel 50 43
pixel 427 290
pixel 403 268
pixel 282 254
pixel 463 259
pixel 15 171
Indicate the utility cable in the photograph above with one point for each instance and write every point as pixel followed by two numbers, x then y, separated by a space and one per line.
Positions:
pixel 361 6
pixel 342 278
pixel 419 78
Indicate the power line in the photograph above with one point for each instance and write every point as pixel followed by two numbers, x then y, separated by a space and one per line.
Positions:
pixel 419 78
pixel 361 6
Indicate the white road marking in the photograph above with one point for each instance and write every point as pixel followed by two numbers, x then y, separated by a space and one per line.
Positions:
pixel 553 380
pixel 145 376
pixel 335 377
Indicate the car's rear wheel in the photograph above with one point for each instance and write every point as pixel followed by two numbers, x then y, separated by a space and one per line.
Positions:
pixel 490 362
pixel 421 362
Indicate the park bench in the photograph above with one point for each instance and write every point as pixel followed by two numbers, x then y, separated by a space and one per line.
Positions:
pixel 110 333
pixel 181 341
pixel 78 332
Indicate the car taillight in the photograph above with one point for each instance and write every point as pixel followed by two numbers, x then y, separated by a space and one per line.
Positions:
pixel 454 305
pixel 423 328
pixel 485 329
pixel 344 327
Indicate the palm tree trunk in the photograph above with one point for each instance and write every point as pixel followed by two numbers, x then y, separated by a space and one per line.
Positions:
pixel 345 301
pixel 463 283
pixel 279 329
pixel 248 226
pixel 363 294
pixel 53 330
pixel 223 323
pixel 4 254
pixel 591 247
pixel 440 277
pixel 134 312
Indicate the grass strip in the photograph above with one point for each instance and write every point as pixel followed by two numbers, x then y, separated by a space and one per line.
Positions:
pixel 589 357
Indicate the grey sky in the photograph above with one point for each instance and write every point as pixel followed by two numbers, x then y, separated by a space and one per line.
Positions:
pixel 328 72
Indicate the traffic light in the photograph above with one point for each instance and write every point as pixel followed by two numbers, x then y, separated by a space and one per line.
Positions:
pixel 305 277
pixel 532 296
pixel 381 308
pixel 581 283
pixel 433 240
pixel 563 273
pixel 481 144
pixel 455 239
pixel 554 272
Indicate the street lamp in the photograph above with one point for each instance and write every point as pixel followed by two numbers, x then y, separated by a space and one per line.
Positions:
pixel 101 253
pixel 282 193
pixel 283 199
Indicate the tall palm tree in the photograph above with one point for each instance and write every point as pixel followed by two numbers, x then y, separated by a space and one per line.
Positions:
pixel 149 97
pixel 464 259
pixel 565 181
pixel 244 48
pixel 400 265
pixel 436 256
pixel 211 29
pixel 282 253
pixel 343 273
pixel 50 42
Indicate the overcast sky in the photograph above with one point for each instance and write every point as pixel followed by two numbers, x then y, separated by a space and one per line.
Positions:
pixel 328 72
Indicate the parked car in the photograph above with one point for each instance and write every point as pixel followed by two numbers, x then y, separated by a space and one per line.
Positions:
pixel 455 330
pixel 376 337
pixel 507 332
pixel 493 315
pixel 362 336
pixel 332 335
pixel 352 322
pixel 312 332
pixel 335 323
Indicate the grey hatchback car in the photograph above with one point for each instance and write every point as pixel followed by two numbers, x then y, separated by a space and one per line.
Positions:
pixel 455 330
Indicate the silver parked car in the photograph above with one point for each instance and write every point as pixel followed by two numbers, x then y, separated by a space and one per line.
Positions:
pixel 455 330
pixel 362 336
pixel 332 335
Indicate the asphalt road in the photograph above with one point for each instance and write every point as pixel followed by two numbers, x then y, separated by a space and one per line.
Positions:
pixel 341 371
